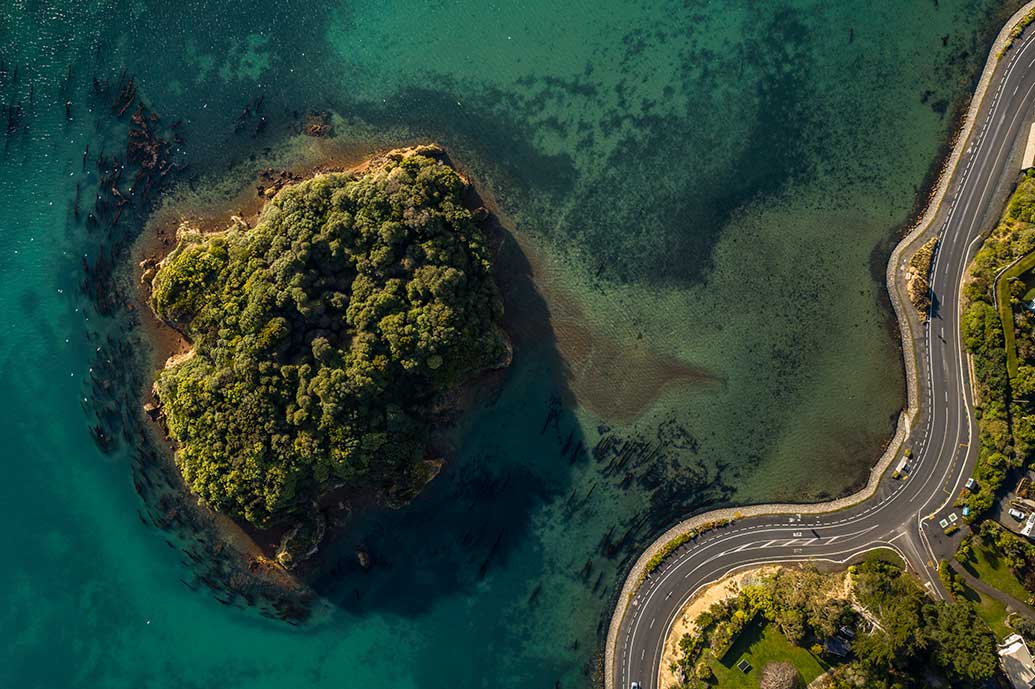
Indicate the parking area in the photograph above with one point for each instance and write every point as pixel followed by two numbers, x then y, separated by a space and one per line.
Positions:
pixel 1016 509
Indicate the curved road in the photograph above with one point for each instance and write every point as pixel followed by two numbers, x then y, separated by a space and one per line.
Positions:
pixel 902 515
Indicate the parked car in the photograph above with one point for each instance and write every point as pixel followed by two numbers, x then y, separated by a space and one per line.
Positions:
pixel 1017 514
pixel 971 483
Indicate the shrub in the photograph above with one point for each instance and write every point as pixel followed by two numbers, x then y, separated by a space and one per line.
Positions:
pixel 780 675
pixel 655 561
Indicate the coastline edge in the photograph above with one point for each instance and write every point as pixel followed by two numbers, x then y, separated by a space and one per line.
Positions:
pixel 906 320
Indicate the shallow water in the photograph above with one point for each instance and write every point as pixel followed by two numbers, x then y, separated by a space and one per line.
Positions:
pixel 709 184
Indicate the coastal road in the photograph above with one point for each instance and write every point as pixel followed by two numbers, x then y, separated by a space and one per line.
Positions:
pixel 902 515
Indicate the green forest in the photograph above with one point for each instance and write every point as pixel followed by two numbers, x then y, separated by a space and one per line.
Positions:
pixel 1005 403
pixel 323 336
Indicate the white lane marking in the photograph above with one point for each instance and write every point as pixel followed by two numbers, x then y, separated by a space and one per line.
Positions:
pixel 930 412
pixel 961 388
pixel 958 382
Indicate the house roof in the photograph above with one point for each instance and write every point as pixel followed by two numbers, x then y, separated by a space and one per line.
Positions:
pixel 1017 663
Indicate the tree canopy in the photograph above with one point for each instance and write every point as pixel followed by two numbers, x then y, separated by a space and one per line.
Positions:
pixel 322 336
pixel 918 633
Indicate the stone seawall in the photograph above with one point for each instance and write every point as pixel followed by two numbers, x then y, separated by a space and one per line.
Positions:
pixel 908 324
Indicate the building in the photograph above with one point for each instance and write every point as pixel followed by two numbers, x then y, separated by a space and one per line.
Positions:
pixel 1028 525
pixel 1015 658
pixel 1029 150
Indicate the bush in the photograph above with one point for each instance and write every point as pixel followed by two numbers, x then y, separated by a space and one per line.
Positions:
pixel 780 675
pixel 965 552
pixel 917 284
pixel 950 580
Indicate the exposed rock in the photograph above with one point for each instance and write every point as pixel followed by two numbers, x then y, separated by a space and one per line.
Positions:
pixel 149 266
pixel 273 181
pixel 401 494
pixel 364 558
pixel 302 541
pixel 317 124
pixel 152 410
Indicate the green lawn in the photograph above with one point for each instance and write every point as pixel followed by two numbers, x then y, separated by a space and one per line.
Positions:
pixel 760 644
pixel 987 566
pixel 990 610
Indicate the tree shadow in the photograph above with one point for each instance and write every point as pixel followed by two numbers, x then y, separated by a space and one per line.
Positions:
pixel 514 451
pixel 748 638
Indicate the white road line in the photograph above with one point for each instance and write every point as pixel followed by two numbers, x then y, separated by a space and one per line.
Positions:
pixel 984 166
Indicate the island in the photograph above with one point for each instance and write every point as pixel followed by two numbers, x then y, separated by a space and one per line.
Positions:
pixel 324 338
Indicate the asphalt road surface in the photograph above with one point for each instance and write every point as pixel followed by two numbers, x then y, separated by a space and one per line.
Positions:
pixel 903 515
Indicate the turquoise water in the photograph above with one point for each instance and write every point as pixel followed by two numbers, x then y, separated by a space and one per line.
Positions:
pixel 710 184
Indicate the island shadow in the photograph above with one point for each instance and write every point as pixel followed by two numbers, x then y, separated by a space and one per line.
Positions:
pixel 514 451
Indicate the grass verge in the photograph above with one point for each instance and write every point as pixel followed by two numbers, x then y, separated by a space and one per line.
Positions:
pixel 990 568
pixel 990 610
